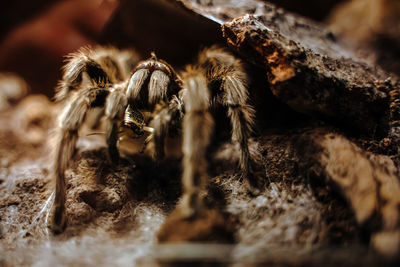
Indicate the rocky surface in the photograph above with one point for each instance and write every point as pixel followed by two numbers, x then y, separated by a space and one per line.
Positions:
pixel 127 204
pixel 121 208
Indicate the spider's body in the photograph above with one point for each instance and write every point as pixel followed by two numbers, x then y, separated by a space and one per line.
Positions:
pixel 149 96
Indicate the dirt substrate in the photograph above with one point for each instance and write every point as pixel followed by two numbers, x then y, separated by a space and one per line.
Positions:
pixel 115 212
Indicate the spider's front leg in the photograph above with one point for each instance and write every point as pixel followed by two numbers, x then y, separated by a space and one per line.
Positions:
pixel 71 120
pixel 198 126
pixel 92 78
pixel 78 64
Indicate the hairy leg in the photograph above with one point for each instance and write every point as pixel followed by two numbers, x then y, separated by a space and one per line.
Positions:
pixel 228 72
pixel 167 117
pixel 66 136
pixel 242 120
pixel 114 110
pixel 198 126
pixel 78 64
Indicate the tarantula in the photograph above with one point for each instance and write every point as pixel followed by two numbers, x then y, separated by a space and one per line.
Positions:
pixel 149 96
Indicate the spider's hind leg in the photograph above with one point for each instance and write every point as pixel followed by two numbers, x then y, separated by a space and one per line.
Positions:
pixel 228 74
pixel 241 117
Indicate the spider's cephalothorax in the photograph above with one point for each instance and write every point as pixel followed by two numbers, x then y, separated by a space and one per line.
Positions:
pixel 150 96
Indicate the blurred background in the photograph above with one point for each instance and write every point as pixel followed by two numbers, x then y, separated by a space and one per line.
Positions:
pixel 36 35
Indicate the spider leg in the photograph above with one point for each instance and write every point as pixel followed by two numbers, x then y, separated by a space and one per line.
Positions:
pixel 227 75
pixel 242 119
pixel 94 119
pixel 114 110
pixel 198 126
pixel 70 121
pixel 79 63
pixel 165 119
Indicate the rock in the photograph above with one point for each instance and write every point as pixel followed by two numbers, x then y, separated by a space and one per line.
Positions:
pixel 308 68
pixel 310 72
pixel 369 183
pixel 12 89
pixel 33 117
pixel 210 227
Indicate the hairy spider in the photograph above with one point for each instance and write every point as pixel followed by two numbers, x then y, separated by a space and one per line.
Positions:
pixel 151 97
